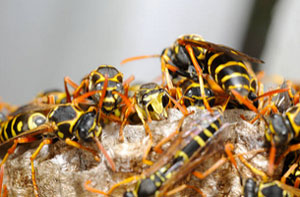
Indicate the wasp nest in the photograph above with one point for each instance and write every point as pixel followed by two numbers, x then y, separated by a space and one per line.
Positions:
pixel 62 170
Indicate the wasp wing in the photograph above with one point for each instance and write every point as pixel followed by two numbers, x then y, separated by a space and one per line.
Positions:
pixel 220 48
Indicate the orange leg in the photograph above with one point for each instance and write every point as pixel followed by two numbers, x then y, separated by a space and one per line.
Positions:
pixel 32 158
pixel 68 80
pixel 11 150
pixel 157 148
pixel 228 150
pixel 289 171
pixel 183 109
pixel 272 158
pixel 125 181
pixel 297 182
pixel 291 148
pixel 244 101
pixel 79 146
pixel 253 169
pixel 213 168
pixel 126 85
pixel 272 92
pixel 200 73
pixel 129 110
pixel 101 148
pixel 1 179
pixel 102 96
pixel 149 145
pixel 182 187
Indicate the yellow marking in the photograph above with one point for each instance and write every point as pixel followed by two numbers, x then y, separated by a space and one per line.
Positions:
pixel 60 135
pixel 213 125
pixel 5 133
pixel 168 176
pixel 208 133
pixel 19 126
pixel 238 86
pixel 228 64
pixel 157 184
pixel 183 155
pixel 160 177
pixel 152 177
pixel 297 173
pixel 1 131
pixel 199 140
pixel 176 49
pixel 109 100
pixel 211 59
pixel 227 77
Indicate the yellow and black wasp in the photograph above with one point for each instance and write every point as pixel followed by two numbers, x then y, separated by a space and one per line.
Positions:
pixel 104 86
pixel 190 93
pixel 149 102
pixel 53 96
pixel 150 184
pixel 224 65
pixel 268 189
pixel 67 122
pixel 284 127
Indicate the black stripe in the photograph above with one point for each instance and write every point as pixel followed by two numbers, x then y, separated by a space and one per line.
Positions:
pixel 190 148
pixel 233 81
pixel 231 69
pixel 203 136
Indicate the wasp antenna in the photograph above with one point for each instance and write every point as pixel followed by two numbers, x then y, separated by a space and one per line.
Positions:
pixel 138 58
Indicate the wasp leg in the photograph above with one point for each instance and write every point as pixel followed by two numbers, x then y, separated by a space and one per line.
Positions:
pixel 101 148
pixel 126 85
pixel 1 178
pixel 289 171
pixel 79 146
pixel 200 75
pixel 291 148
pixel 68 80
pixel 157 148
pixel 11 150
pixel 32 158
pixel 182 187
pixel 102 96
pixel 148 131
pixel 125 181
pixel 129 110
pixel 202 175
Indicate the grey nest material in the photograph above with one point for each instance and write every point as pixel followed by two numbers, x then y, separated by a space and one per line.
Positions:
pixel 62 170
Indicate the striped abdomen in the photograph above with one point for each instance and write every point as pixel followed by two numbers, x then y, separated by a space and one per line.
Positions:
pixel 150 185
pixel 229 73
pixel 19 124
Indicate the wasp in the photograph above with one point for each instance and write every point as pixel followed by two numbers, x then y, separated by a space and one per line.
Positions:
pixel 225 68
pixel 53 96
pixel 224 65
pixel 149 102
pixel 273 188
pixel 284 127
pixel 104 85
pixel 191 95
pixel 148 186
pixel 67 122
pixel 150 183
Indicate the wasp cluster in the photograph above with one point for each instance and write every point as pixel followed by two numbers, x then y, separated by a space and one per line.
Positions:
pixel 209 96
